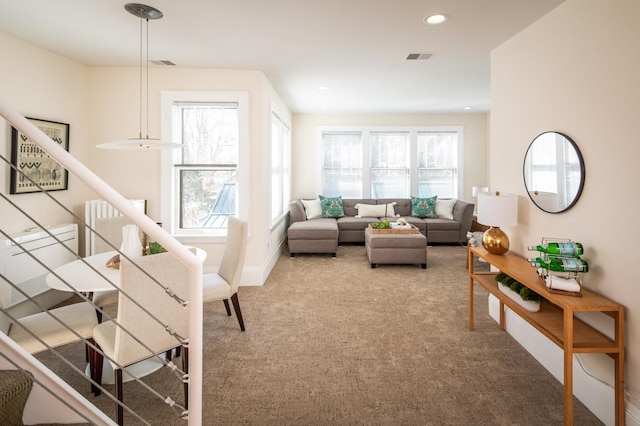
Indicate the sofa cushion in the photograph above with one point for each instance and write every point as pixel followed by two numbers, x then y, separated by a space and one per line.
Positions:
pixel 444 208
pixel 355 223
pixel 442 225
pixel 316 229
pixel 331 207
pixel 424 207
pixel 402 206
pixel 312 208
pixel 349 205
pixel 419 223
pixel 376 210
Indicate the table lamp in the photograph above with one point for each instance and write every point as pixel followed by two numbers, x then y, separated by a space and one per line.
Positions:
pixel 496 209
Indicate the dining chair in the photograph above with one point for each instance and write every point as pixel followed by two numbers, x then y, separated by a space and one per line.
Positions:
pixel 79 319
pixel 109 228
pixel 223 285
pixel 117 342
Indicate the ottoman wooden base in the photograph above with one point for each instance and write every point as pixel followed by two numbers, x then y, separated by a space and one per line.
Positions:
pixel 398 249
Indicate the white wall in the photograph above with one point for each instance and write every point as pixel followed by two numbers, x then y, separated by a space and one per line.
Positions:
pixel 41 85
pixel 114 115
pixel 576 71
pixel 102 104
pixel 306 161
pixel 114 99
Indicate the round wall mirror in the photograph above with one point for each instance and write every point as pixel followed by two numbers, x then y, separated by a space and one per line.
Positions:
pixel 553 172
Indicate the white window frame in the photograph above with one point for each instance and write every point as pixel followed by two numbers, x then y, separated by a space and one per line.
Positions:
pixel 170 208
pixel 320 154
pixel 407 158
pixel 280 144
pixel 366 149
pixel 456 168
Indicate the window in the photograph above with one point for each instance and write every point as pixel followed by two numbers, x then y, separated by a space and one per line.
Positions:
pixel 390 165
pixel 204 174
pixel 385 162
pixel 280 167
pixel 342 164
pixel 437 164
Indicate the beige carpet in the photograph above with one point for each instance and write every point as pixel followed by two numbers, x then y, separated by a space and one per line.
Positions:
pixel 330 341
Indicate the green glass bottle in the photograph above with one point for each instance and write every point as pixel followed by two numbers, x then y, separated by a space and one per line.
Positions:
pixel 565 249
pixel 561 264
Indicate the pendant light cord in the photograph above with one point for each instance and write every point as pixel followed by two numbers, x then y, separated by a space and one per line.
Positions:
pixel 140 78
pixel 146 73
pixel 147 78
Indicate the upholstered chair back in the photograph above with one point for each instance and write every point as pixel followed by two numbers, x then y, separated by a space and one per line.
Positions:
pixel 234 252
pixel 170 273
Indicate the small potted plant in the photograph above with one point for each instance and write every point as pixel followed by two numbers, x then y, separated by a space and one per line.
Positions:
pixel 384 223
pixel 522 295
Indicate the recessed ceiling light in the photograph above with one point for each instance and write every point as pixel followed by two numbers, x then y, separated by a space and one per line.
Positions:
pixel 435 19
pixel 323 88
pixel 467 107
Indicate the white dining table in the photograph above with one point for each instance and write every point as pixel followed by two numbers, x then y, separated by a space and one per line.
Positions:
pixel 79 275
pixel 84 279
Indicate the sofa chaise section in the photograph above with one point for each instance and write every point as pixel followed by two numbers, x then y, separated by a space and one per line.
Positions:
pixel 311 236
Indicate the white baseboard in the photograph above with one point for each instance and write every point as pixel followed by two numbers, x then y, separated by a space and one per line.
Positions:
pixel 593 392
pixel 257 275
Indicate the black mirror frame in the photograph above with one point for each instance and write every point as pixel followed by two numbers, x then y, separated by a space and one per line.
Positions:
pixel 582 172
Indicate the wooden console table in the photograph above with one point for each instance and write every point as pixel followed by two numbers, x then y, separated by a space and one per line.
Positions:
pixel 556 321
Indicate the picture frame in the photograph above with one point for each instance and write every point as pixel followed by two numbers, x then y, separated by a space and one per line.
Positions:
pixel 30 160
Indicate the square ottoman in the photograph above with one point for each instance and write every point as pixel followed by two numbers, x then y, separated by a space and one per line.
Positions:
pixel 399 249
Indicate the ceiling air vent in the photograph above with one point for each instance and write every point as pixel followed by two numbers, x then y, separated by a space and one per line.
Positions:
pixel 419 56
pixel 161 62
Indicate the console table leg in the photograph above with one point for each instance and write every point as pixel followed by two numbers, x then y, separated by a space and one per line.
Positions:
pixel 619 368
pixel 470 267
pixel 568 367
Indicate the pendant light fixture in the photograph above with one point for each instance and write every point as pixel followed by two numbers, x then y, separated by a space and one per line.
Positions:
pixel 145 13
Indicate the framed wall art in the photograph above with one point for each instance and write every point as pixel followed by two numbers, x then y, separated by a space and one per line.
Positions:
pixel 30 160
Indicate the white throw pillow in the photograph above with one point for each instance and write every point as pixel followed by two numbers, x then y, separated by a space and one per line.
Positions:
pixel 375 210
pixel 312 208
pixel 444 208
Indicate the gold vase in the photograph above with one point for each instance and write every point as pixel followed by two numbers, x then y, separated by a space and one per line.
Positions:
pixel 495 241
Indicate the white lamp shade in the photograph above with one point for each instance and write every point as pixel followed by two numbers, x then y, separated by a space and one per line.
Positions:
pixel 497 210
pixel 475 190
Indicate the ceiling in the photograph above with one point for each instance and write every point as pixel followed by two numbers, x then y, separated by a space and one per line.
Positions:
pixel 356 48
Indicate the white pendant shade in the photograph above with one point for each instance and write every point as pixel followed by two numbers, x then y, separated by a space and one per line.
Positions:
pixel 139 143
pixel 144 13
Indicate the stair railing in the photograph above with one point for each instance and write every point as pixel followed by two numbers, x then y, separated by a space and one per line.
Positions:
pixel 147 226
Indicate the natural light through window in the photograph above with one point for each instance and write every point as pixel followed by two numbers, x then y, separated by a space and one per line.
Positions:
pixel 204 173
pixel 394 162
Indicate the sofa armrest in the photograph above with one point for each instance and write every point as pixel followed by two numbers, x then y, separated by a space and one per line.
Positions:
pixel 463 214
pixel 296 212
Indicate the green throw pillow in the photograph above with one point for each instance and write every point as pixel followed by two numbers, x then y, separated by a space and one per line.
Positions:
pixel 331 207
pixel 424 207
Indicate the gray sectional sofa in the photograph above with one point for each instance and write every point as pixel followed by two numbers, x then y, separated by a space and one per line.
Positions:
pixel 322 235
